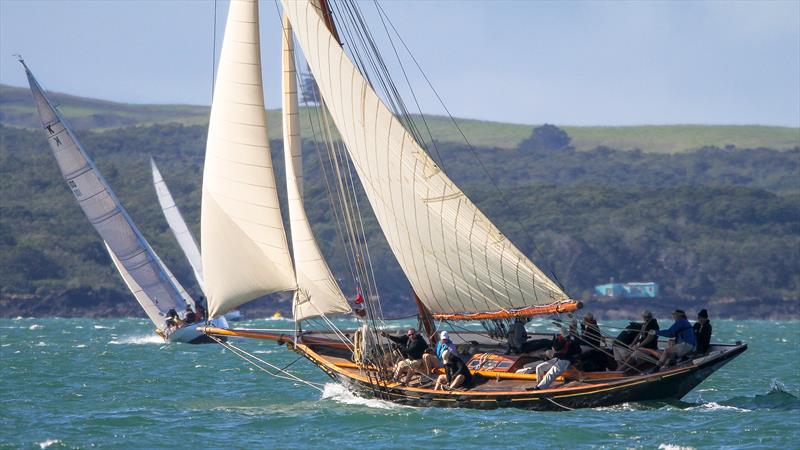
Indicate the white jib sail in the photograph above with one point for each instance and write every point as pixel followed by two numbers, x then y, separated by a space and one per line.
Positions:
pixel 244 250
pixel 178 226
pixel 317 292
pixel 150 308
pixel 455 258
pixel 106 213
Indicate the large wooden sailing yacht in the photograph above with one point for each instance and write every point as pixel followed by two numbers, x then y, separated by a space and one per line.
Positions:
pixel 460 266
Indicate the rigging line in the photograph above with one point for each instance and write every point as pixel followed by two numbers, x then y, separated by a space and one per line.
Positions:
pixel 214 52
pixel 558 404
pixel 474 152
pixel 249 357
pixel 603 350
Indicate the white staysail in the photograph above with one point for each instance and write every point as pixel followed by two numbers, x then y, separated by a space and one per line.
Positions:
pixel 317 292
pixel 178 226
pixel 455 258
pixel 107 215
pixel 244 249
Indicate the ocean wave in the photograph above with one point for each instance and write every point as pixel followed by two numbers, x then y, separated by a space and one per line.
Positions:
pixel 48 443
pixel 101 327
pixel 339 393
pixel 714 406
pixel 138 340
pixel 778 397
pixel 673 447
pixel 35 326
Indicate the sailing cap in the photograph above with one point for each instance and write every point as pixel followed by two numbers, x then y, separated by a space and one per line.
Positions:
pixel 647 314
pixel 703 313
pixel 679 312
pixel 444 335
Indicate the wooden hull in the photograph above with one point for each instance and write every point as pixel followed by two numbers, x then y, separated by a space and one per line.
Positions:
pixel 670 384
pixel 498 390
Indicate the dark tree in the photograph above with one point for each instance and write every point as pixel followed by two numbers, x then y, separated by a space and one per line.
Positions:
pixel 546 137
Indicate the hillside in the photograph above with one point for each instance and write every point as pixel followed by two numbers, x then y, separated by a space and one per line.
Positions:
pixel 16 109
pixel 714 227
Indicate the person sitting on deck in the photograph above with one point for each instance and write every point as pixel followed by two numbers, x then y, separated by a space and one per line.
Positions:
pixel 642 344
pixel 685 342
pixel 190 316
pixel 435 361
pixel 597 358
pixel 172 319
pixel 518 342
pixel 565 349
pixel 412 346
pixel 590 332
pixel 702 331
pixel 456 373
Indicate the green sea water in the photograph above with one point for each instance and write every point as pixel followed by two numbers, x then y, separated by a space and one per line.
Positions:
pixel 89 383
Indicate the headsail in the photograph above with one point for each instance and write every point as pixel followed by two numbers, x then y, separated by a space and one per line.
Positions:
pixel 150 308
pixel 176 223
pixel 244 249
pixel 317 291
pixel 106 214
pixel 455 258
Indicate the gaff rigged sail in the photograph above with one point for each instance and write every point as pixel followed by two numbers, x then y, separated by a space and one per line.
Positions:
pixel 455 258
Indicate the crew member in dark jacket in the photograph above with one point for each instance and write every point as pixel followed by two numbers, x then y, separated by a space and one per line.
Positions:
pixel 702 331
pixel 456 373
pixel 412 346
pixel 564 352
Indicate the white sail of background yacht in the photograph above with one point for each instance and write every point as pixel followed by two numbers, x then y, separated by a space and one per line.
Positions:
pixel 245 253
pixel 317 292
pixel 158 291
pixel 455 258
pixel 176 223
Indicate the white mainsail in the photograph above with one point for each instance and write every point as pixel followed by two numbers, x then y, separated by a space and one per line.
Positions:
pixel 245 253
pixel 455 258
pixel 317 292
pixel 176 223
pixel 159 292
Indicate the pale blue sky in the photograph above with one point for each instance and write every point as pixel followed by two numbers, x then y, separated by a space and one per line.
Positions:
pixel 569 63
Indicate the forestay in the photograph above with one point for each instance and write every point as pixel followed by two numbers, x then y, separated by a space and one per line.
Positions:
pixel 107 215
pixel 176 223
pixel 245 254
pixel 317 292
pixel 455 258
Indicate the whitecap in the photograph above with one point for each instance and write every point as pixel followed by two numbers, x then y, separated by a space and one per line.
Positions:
pixel 35 326
pixel 262 352
pixel 41 344
pixel 80 346
pixel 673 447
pixel 48 443
pixel 341 394
pixel 138 340
pixel 101 327
pixel 714 406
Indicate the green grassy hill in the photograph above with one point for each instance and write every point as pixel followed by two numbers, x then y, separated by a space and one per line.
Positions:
pixel 17 109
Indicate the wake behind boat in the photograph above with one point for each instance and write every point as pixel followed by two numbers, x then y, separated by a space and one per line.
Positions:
pixel 460 266
pixel 164 300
